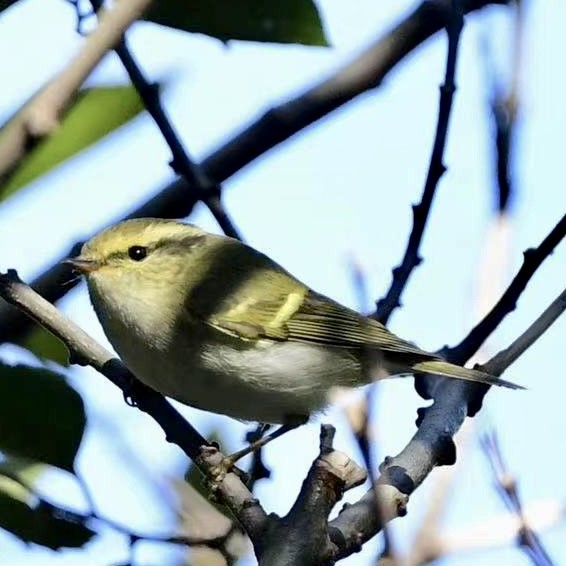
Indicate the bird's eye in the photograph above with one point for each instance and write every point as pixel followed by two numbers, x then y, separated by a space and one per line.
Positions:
pixel 137 253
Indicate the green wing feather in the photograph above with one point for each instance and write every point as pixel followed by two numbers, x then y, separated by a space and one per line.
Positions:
pixel 246 294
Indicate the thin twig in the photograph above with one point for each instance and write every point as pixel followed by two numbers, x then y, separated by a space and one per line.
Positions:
pixel 503 530
pixel 533 258
pixel 40 117
pixel 507 487
pixel 363 73
pixel 411 259
pixel 257 470
pixel 504 109
pixel 76 517
pixel 431 446
pixel 360 416
pixel 194 175
pixel 506 357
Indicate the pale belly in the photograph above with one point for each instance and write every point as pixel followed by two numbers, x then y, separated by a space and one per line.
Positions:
pixel 268 383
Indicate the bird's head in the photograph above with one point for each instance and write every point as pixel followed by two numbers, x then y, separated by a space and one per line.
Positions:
pixel 146 258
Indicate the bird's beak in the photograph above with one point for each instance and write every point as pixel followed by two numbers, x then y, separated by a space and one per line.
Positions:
pixel 83 264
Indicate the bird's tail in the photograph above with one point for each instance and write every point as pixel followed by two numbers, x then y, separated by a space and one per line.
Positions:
pixel 439 367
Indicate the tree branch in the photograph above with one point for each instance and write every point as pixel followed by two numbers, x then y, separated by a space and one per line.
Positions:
pixel 363 73
pixel 76 517
pixel 40 117
pixel 431 446
pixel 506 357
pixel 194 175
pixel 504 107
pixel 436 169
pixel 507 487
pixel 503 530
pixel 85 350
pixel 533 258
pixel 331 474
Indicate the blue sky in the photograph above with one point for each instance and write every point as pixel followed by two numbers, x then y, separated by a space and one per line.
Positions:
pixel 342 187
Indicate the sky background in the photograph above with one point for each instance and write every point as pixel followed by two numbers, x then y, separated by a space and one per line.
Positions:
pixel 342 187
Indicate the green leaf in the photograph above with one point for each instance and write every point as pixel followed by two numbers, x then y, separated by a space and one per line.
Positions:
pixel 22 513
pixel 289 21
pixel 41 416
pixel 95 113
pixel 36 523
pixel 45 346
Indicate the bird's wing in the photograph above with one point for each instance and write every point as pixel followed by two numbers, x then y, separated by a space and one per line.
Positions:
pixel 246 294
pixel 301 315
pixel 324 321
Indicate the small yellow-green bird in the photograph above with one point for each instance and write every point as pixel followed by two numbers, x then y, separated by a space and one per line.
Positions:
pixel 216 324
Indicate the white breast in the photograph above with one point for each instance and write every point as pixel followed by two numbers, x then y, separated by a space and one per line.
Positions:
pixel 196 364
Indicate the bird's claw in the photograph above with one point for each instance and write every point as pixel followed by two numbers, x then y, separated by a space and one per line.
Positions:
pixel 217 472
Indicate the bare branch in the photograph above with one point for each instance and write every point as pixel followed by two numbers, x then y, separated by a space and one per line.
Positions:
pixel 436 169
pixel 86 351
pixel 331 474
pixel 181 163
pixel 40 117
pixel 533 258
pixel 504 109
pixel 72 516
pixel 503 530
pixel 431 446
pixel 366 72
pixel 506 357
pixel 363 73
pixel 507 487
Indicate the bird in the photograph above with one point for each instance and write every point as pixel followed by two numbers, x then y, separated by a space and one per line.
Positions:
pixel 215 324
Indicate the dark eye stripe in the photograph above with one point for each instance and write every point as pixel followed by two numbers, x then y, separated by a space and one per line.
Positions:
pixel 174 245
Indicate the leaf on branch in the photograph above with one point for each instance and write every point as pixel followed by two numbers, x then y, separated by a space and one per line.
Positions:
pixel 292 21
pixel 23 516
pixel 41 416
pixel 45 346
pixel 95 113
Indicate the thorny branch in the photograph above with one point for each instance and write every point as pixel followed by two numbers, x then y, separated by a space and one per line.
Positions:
pixel 363 73
pixel 436 169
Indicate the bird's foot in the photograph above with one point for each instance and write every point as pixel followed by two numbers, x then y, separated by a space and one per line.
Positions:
pixel 291 423
pixel 218 470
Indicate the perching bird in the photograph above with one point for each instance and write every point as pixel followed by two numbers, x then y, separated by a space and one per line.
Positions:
pixel 215 324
